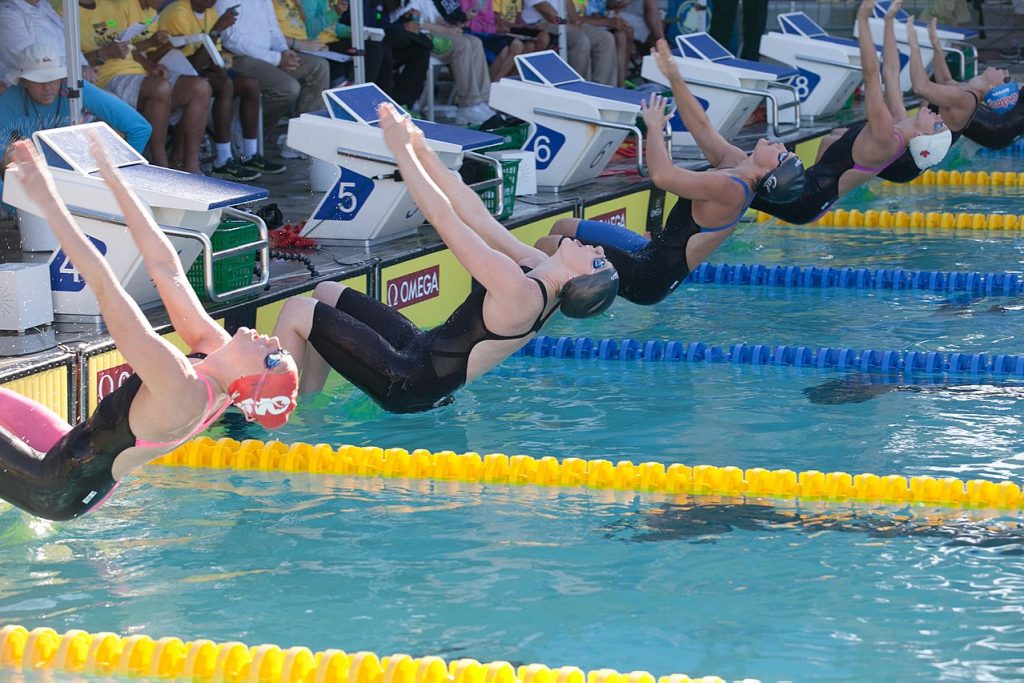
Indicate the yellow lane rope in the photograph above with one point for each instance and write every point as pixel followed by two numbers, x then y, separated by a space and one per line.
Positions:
pixel 991 178
pixel 913 219
pixel 372 461
pixel 107 654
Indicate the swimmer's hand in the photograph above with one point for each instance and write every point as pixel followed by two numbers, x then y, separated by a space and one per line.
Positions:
pixel 396 133
pixel 865 10
pixel 653 111
pixel 663 56
pixel 890 14
pixel 32 171
pixel 108 170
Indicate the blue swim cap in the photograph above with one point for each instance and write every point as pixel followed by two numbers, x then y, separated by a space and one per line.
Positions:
pixel 1002 98
pixel 588 295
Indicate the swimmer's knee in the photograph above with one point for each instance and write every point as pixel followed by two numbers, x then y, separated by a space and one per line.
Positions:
pixel 329 292
pixel 294 311
pixel 565 226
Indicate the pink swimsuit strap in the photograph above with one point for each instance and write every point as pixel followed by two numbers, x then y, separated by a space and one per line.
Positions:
pixel 903 148
pixel 212 413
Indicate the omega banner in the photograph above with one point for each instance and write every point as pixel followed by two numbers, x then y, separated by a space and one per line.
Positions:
pixel 413 288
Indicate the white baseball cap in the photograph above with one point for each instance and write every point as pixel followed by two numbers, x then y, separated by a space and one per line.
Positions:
pixel 40 63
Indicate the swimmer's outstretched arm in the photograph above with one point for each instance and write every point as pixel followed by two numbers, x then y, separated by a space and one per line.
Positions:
pixel 498 273
pixel 471 209
pixel 694 185
pixel 155 360
pixel 196 328
pixel 959 103
pixel 891 65
pixel 718 150
pixel 940 68
pixel 880 120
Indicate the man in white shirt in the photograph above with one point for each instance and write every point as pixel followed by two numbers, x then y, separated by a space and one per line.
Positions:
pixel 290 82
pixel 592 50
pixel 24 23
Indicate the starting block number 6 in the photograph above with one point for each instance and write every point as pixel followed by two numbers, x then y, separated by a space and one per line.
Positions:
pixel 545 145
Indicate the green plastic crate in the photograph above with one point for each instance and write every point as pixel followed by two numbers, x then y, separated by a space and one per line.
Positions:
pixel 513 137
pixel 230 273
pixel 510 174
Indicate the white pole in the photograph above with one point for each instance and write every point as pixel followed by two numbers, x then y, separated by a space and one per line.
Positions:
pixel 73 59
pixel 563 31
pixel 358 40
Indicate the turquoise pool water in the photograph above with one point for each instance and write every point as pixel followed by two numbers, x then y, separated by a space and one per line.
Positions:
pixel 775 591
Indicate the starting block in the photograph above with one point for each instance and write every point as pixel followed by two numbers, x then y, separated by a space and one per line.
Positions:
pixel 188 208
pixel 728 88
pixel 575 125
pixel 829 67
pixel 367 201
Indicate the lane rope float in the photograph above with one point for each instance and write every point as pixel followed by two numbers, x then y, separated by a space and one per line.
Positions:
pixel 812 277
pixel 872 218
pixel 956 178
pixel 106 654
pixel 911 365
pixel 498 468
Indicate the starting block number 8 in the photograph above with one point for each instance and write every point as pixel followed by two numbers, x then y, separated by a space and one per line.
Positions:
pixel 805 83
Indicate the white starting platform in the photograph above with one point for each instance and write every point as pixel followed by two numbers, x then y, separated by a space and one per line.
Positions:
pixel 187 207
pixel 953 40
pixel 575 125
pixel 829 67
pixel 367 201
pixel 728 88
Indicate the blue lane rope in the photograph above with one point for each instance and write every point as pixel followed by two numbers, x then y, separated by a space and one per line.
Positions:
pixel 1017 147
pixel 1008 284
pixel 891 361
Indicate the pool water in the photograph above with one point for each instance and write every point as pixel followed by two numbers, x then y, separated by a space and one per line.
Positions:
pixel 770 590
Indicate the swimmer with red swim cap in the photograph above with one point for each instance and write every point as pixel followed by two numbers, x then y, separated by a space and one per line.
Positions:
pixel 56 471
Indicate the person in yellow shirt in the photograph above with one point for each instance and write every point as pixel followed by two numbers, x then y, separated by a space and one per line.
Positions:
pixel 124 69
pixel 192 17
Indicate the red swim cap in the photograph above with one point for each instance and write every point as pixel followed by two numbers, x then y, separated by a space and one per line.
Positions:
pixel 267 398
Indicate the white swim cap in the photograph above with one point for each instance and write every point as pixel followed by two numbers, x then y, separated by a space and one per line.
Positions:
pixel 929 150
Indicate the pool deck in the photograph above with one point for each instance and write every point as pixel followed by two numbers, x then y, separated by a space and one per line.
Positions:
pixel 621 195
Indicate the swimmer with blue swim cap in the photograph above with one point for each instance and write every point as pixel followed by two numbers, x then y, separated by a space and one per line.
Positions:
pixel 516 290
pixel 710 203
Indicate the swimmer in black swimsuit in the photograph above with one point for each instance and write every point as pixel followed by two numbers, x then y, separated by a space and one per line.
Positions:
pixel 877 143
pixel 710 203
pixel 406 370
pixel 956 103
pixel 56 471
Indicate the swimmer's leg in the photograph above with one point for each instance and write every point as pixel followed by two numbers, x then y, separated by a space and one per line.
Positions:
pixel 26 478
pixel 31 422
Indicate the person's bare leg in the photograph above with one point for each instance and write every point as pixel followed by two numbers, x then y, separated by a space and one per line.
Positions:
pixel 223 93
pixel 248 91
pixel 293 327
pixel 155 106
pixel 192 94
pixel 652 17
pixel 505 62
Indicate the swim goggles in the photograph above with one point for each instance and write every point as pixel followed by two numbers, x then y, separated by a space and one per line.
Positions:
pixel 599 263
pixel 274 358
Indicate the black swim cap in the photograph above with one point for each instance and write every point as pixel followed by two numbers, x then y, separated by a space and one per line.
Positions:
pixel 784 183
pixel 587 295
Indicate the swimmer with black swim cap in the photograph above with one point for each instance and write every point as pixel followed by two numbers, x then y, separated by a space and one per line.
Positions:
pixel 710 203
pixel 516 290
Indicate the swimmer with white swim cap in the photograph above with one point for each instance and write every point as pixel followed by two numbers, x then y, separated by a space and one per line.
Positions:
pixel 710 202
pixel 956 103
pixel 56 471
pixel 848 158
pixel 405 369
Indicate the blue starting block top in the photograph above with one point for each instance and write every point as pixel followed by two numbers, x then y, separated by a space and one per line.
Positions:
pixel 548 68
pixel 901 16
pixel 359 103
pixel 702 46
pixel 69 149
pixel 214 192
pixel 799 24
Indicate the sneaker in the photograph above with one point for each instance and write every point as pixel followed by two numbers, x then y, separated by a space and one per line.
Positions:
pixel 472 115
pixel 232 170
pixel 286 151
pixel 261 164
